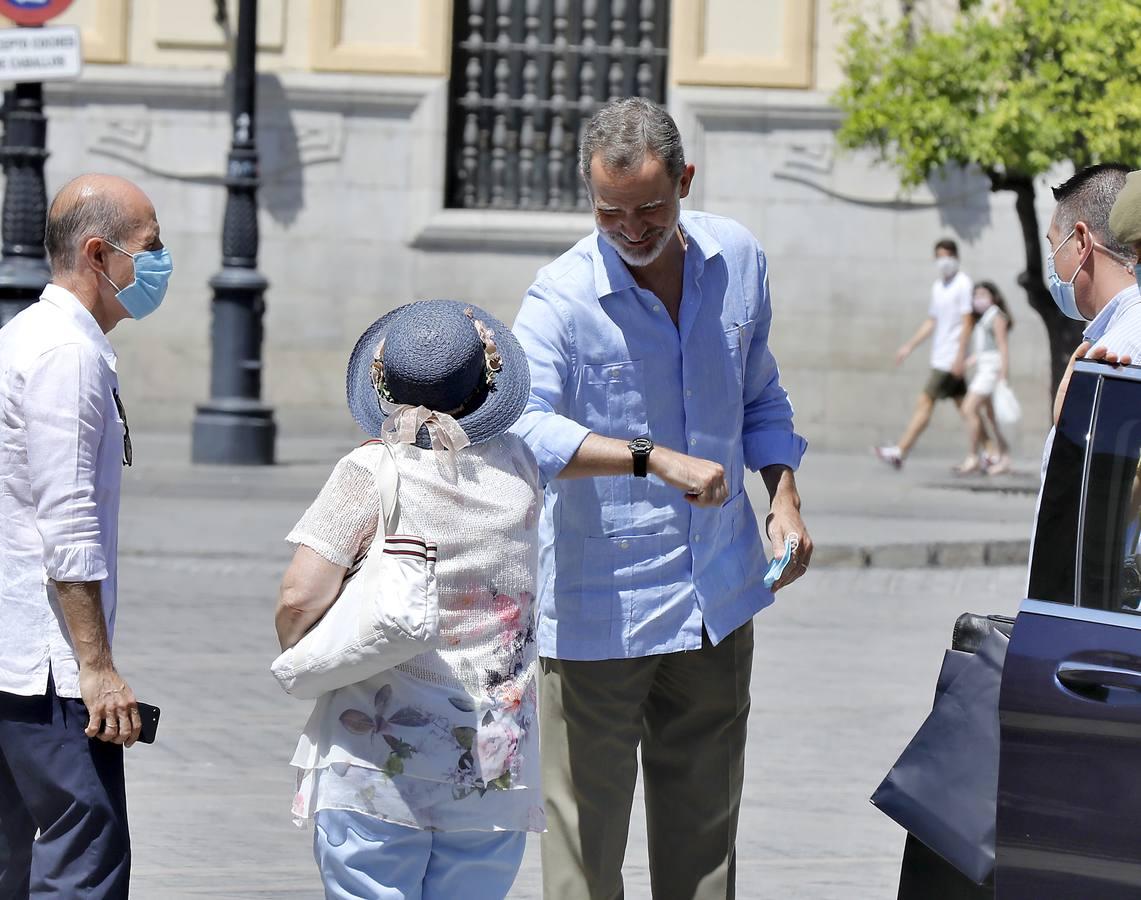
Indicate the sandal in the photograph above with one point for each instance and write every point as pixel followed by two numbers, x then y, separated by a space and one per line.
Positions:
pixel 968 466
pixel 1000 466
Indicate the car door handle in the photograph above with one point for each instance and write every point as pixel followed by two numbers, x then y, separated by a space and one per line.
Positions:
pixel 1081 677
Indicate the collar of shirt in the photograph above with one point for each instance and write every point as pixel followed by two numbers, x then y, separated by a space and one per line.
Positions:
pixel 68 304
pixel 612 275
pixel 1114 308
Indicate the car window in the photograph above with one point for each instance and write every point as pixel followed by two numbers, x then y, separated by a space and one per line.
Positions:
pixel 1054 553
pixel 1109 546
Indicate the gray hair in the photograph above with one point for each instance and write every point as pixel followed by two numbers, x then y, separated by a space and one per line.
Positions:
pixel 624 130
pixel 1088 197
pixel 73 219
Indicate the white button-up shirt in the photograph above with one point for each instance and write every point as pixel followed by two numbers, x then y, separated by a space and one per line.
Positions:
pixel 61 465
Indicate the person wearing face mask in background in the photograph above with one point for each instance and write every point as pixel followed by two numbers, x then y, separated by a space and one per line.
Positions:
pixel 990 365
pixel 949 322
pixel 65 711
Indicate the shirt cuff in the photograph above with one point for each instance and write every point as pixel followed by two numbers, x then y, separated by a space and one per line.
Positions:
pixel 553 439
pixel 773 448
pixel 77 562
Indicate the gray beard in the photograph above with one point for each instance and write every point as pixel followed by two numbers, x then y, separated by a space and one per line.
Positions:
pixel 647 256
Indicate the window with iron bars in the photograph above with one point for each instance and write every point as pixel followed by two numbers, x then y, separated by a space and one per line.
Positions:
pixel 527 75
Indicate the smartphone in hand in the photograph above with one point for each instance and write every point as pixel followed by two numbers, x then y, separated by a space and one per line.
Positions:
pixel 149 715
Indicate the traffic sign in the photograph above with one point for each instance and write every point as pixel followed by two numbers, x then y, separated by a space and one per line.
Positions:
pixel 32 12
pixel 40 54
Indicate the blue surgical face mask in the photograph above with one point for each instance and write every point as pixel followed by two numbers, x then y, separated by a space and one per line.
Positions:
pixel 1137 274
pixel 144 295
pixel 1063 291
pixel 779 564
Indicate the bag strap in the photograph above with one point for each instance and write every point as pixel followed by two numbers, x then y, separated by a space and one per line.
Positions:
pixel 388 487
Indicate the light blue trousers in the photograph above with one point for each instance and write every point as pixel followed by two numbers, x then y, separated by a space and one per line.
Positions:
pixel 364 858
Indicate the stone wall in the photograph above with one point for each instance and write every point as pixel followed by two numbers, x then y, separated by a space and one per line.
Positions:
pixel 353 224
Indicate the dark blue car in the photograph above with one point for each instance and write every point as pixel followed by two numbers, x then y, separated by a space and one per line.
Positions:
pixel 1069 789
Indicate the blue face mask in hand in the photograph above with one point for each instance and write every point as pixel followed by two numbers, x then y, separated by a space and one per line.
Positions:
pixel 777 566
pixel 144 295
pixel 1063 291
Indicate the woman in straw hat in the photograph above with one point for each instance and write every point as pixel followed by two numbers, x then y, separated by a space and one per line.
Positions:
pixel 423 780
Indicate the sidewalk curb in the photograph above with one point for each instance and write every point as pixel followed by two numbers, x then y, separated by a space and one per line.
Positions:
pixel 938 554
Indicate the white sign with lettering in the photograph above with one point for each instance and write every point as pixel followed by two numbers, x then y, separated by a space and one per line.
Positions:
pixel 40 54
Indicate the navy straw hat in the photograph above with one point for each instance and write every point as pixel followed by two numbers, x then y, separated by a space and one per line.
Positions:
pixel 434 357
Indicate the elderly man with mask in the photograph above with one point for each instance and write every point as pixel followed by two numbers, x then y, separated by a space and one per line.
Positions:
pixel 65 711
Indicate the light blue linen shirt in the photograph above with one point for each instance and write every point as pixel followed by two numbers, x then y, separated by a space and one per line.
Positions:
pixel 627 567
pixel 1118 325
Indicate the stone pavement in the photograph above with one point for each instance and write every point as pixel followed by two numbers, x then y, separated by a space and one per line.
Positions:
pixel 860 512
pixel 844 670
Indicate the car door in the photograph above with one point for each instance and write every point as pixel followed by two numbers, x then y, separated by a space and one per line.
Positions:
pixel 1069 790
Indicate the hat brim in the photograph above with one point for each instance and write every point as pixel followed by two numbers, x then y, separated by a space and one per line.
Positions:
pixel 505 401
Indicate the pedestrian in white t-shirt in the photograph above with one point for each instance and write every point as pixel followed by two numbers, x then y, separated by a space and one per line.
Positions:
pixel 948 324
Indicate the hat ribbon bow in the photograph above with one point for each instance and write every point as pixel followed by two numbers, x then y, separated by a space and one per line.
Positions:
pixel 404 421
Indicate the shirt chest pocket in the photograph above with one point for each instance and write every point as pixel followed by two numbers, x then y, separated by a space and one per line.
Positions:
pixel 613 397
pixel 737 341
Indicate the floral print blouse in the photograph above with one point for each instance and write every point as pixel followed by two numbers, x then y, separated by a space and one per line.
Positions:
pixel 448 740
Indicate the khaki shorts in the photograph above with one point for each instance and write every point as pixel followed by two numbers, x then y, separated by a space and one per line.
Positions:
pixel 944 386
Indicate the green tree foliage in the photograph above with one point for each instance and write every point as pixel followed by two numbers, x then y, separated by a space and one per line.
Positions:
pixel 1011 87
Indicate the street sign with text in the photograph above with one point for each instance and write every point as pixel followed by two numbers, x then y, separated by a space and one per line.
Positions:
pixel 32 12
pixel 40 54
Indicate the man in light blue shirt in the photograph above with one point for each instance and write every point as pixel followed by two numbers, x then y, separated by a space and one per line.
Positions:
pixel 1090 274
pixel 652 389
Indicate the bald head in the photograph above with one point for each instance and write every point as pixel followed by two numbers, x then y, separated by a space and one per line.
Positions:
pixel 95 206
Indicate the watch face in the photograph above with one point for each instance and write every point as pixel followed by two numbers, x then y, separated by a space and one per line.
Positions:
pixel 641 445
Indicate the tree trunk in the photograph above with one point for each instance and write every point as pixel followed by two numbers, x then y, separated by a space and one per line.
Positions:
pixel 1064 333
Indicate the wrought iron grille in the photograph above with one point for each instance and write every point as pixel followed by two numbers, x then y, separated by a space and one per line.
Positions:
pixel 526 77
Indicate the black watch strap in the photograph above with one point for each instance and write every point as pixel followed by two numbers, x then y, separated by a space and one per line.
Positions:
pixel 640 452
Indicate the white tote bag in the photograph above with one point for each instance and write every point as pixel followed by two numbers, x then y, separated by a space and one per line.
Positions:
pixel 1006 407
pixel 386 613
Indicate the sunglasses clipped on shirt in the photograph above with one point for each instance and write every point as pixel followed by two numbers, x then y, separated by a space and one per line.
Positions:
pixel 128 453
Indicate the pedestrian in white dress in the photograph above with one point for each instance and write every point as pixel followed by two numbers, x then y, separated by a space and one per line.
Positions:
pixel 989 363
pixel 423 780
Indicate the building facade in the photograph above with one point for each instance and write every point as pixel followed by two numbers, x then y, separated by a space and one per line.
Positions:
pixel 425 148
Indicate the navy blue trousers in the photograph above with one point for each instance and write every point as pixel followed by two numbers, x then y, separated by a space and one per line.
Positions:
pixel 69 788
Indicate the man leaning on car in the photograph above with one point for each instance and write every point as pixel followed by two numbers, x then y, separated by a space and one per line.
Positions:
pixel 1091 277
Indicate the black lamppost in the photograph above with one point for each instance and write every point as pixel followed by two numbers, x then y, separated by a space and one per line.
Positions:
pixel 23 261
pixel 235 427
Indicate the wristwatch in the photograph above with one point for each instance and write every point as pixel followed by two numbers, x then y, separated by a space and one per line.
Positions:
pixel 640 449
